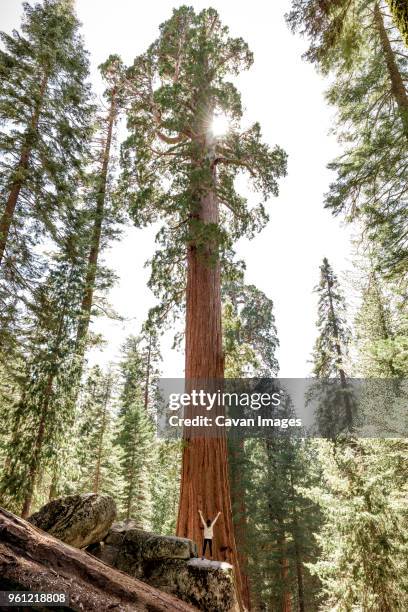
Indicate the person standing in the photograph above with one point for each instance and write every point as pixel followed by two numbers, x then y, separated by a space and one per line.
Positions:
pixel 208 532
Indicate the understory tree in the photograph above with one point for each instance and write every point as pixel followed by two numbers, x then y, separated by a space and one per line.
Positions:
pixel 273 521
pixel 331 394
pixel 45 410
pixel 135 439
pixel 177 169
pixel 98 463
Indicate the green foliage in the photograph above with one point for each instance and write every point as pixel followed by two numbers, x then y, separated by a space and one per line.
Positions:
pixel 250 335
pixel 171 159
pixel 331 344
pixel 135 437
pixel 165 486
pixel 356 41
pixel 44 114
pixel 44 413
pixel 363 563
pixel 97 460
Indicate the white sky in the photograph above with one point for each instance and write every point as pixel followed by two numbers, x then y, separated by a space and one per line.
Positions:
pixel 285 95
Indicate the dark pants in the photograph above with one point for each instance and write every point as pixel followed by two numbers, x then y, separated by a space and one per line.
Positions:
pixel 209 542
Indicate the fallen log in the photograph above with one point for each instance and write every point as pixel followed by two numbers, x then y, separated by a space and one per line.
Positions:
pixel 30 559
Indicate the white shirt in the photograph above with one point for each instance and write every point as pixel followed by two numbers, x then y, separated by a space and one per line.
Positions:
pixel 208 530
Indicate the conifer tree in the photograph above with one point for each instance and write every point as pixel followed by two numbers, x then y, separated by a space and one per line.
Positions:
pixel 102 217
pixel 45 113
pixel 273 522
pixel 363 539
pixel 357 42
pixel 250 341
pixel 374 328
pixel 177 169
pixel 135 438
pixel 43 415
pixel 98 463
pixel 335 402
pixel 165 486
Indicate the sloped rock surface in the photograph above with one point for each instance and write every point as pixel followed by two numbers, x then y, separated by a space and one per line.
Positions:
pixel 169 564
pixel 31 560
pixel 78 520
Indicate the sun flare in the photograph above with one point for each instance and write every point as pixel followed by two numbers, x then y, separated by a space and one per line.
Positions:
pixel 220 125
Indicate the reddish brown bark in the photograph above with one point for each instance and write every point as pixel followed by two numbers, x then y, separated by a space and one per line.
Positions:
pixel 11 203
pixel 87 299
pixel 204 478
pixel 397 84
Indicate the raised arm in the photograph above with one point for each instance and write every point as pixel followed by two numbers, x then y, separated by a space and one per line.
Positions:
pixel 202 518
pixel 215 520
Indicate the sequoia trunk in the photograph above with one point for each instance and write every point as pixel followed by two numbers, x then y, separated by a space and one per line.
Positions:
pixel 204 477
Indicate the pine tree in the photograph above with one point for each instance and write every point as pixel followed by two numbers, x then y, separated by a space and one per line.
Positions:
pixel 273 522
pixel 356 41
pixel 45 412
pixel 249 346
pixel 102 216
pixel 185 174
pixel 135 438
pixel 331 392
pixel 165 486
pixel 374 327
pixel 98 461
pixel 45 111
pixel 363 540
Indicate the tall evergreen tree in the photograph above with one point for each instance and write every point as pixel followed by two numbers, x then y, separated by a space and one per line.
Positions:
pixel 331 392
pixel 362 563
pixel 363 539
pixel 43 415
pixel 135 438
pixel 356 41
pixel 374 327
pixel 98 462
pixel 185 174
pixel 101 214
pixel 45 112
pixel 165 486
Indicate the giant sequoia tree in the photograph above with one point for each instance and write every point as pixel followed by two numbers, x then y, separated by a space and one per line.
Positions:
pixel 177 169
